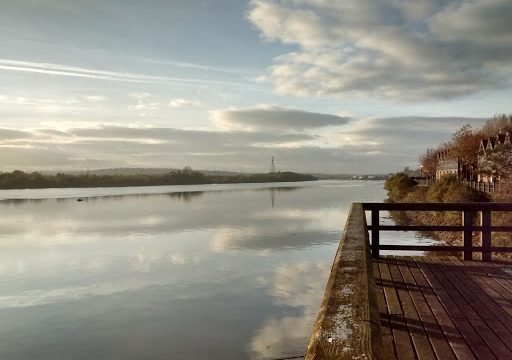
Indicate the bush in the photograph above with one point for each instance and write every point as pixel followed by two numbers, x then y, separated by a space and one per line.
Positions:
pixel 398 186
pixel 450 189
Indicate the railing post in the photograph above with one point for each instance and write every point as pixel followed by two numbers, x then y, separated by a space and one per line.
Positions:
pixel 467 222
pixel 375 233
pixel 485 236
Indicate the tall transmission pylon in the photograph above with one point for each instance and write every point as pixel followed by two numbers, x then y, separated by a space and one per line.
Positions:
pixel 272 166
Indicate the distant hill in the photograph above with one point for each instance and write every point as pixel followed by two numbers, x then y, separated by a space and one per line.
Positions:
pixel 22 180
pixel 139 171
pixel 131 171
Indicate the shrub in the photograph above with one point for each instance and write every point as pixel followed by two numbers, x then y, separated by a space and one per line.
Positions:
pixel 399 185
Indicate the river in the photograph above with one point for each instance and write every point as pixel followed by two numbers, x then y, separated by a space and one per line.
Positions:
pixel 233 271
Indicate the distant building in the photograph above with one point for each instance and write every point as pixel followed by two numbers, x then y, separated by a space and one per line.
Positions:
pixel 447 165
pixel 487 147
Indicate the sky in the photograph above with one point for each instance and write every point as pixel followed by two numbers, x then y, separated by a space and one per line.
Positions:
pixel 353 86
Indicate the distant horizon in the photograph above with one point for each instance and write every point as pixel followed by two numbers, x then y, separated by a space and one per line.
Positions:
pixel 194 169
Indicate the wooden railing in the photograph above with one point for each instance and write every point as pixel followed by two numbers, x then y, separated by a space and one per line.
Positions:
pixel 348 323
pixel 468 211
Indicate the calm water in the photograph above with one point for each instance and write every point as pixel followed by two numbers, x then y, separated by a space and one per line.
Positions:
pixel 175 272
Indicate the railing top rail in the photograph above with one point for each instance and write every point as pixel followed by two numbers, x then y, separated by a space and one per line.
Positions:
pixel 466 206
pixel 348 325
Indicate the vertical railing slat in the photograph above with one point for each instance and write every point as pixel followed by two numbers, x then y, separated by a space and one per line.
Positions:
pixel 467 222
pixel 375 234
pixel 485 222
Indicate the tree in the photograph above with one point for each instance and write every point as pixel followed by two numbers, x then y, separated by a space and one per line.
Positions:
pixel 496 124
pixel 464 145
pixel 428 162
pixel 399 185
pixel 498 163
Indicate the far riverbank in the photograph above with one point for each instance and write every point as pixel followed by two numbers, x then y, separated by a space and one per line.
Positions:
pixel 22 180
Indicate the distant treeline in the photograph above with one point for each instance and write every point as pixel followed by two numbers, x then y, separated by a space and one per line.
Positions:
pixel 34 180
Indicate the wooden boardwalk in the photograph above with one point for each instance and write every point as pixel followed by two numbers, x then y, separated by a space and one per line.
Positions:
pixel 444 308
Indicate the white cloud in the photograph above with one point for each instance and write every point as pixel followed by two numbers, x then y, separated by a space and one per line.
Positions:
pixel 392 49
pixel 183 103
pixel 140 95
pixel 94 98
pixel 11 134
pixel 273 118
pixel 97 74
pixel 41 104
pixel 195 66
pixel 144 106
pixel 373 145
pixel 482 22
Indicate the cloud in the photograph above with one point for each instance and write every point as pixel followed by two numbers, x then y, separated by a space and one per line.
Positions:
pixel 143 104
pixel 374 145
pixel 97 74
pixel 198 139
pixel 182 103
pixel 195 66
pixel 27 105
pixel 405 132
pixel 94 98
pixel 271 118
pixel 11 134
pixel 392 49
pixel 486 23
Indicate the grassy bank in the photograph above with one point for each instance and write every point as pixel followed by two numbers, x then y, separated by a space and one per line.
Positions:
pixel 402 188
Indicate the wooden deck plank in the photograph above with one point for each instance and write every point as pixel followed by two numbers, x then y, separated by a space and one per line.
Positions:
pixel 412 320
pixel 472 295
pixel 502 276
pixel 445 278
pixel 479 281
pixel 485 339
pixel 402 340
pixel 444 308
pixel 449 297
pixel 433 331
pixel 466 287
pixel 448 328
pixel 387 335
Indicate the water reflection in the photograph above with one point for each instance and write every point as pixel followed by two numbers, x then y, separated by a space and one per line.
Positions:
pixel 242 213
pixel 297 285
pixel 254 238
pixel 230 273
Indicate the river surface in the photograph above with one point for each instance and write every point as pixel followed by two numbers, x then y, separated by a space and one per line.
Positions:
pixel 231 271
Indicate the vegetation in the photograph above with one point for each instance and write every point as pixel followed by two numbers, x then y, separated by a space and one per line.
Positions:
pixel 402 188
pixel 463 145
pixel 447 189
pixel 22 180
pixel 498 163
pixel 399 185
